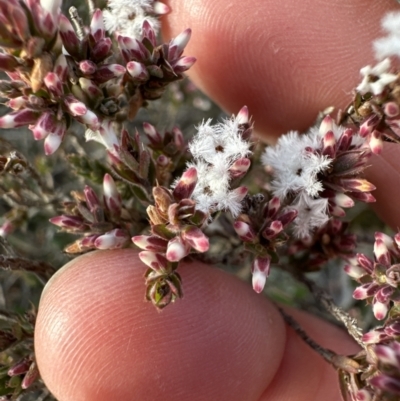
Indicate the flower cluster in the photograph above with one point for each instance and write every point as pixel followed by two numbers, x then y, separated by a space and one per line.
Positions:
pixel 220 156
pixel 379 278
pixel 320 174
pixel 104 225
pixel 175 232
pixel 88 79
pixel 261 227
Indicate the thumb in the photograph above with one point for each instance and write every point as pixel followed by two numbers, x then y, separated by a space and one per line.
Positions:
pixel 97 339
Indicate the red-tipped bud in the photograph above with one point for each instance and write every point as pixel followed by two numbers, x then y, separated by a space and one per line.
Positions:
pixel 177 44
pixel 177 249
pixel 101 49
pixel 381 253
pixel 61 67
pixel 97 26
pixel 272 208
pixel 365 263
pixel 153 135
pixel 54 139
pixel 391 109
pixel 31 376
pixel 326 125
pixel 244 231
pixel 368 125
pixel 239 167
pixel 355 271
pixel 68 36
pixel 386 383
pixel 287 217
pixel 19 118
pixel 107 72
pixel 196 239
pixel 46 124
pixel 150 243
pixel 112 197
pixel 8 62
pixel 376 142
pixel 260 270
pixel 329 143
pixel 380 309
pixel 87 67
pixel 20 367
pixel 160 8
pixel 274 229
pixel 137 71
pixel 114 239
pixel 90 119
pixel 183 64
pixel 185 186
pixel 74 106
pixel 53 84
pixel 92 200
pixel 343 200
pixel 70 222
pixel 357 185
pixel 154 260
pixel 18 103
pixel 365 291
pixel 243 116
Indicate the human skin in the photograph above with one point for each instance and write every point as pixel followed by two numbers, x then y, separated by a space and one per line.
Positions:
pixel 96 338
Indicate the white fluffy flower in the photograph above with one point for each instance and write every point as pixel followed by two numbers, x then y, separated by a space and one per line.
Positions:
pixel 389 45
pixel 296 165
pixel 127 16
pixel 215 149
pixel 312 214
pixel 375 79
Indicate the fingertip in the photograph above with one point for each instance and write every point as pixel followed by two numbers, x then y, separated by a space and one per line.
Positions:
pixel 287 62
pixel 96 338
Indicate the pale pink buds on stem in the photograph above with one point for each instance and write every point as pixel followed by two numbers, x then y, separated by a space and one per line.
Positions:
pixel 260 271
pixel 111 196
pixel 186 184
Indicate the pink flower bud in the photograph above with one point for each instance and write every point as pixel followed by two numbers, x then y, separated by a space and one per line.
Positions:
pixel 328 143
pixel 196 239
pixel 8 62
pixel 156 261
pixel 19 118
pixel 148 32
pixel 108 71
pixel 177 44
pixel 74 106
pixel 153 135
pixel 343 200
pixel 391 109
pixel 31 376
pixel 90 119
pixel 68 36
pixel 381 253
pixel 101 49
pixel 186 184
pixel 362 395
pixel 97 26
pixel 274 229
pixel 19 368
pixel 376 142
pixel 368 125
pixel 177 249
pixel 71 222
pixel 54 139
pixel 137 71
pixel 387 355
pixel 355 271
pixel 92 200
pixel 87 67
pixel 111 195
pixel 239 167
pixel 374 336
pixel 183 64
pixel 380 309
pixel 53 84
pixel 365 291
pixel 260 270
pixel 114 239
pixel 61 68
pixel 150 243
pixel 160 8
pixel 243 116
pixel 244 231
pixel 326 125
